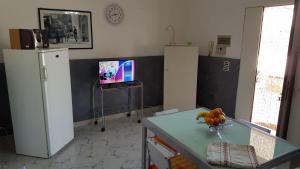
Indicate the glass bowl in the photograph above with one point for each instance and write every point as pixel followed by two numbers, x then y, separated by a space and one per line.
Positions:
pixel 217 129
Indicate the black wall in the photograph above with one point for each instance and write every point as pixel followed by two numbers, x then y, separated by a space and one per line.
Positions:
pixel 5 118
pixel 217 88
pixel 149 70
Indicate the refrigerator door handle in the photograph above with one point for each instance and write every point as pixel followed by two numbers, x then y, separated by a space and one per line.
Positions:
pixel 45 73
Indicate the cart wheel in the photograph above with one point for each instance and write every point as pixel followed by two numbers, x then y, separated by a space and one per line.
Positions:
pixel 103 129
pixel 96 122
pixel 139 121
pixel 128 114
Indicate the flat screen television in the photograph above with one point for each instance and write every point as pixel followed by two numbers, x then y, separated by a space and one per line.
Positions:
pixel 116 71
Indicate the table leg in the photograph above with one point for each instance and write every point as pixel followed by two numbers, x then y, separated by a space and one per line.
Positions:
pixel 129 103
pixel 144 148
pixel 142 104
pixel 95 118
pixel 102 112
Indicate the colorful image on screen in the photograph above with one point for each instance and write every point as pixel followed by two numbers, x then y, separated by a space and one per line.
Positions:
pixel 116 71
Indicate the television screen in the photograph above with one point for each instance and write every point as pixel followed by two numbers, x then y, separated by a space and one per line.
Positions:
pixel 116 71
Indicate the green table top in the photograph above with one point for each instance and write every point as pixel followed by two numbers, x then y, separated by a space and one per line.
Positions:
pixel 184 128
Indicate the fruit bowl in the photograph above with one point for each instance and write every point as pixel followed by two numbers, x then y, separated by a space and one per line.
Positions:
pixel 226 123
pixel 215 119
pixel 215 127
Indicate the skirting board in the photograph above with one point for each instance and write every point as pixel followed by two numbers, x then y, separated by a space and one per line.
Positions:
pixel 147 112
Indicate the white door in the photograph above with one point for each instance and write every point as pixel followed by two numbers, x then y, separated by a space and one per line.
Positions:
pixel 180 77
pixel 250 49
pixel 57 98
pixel 271 65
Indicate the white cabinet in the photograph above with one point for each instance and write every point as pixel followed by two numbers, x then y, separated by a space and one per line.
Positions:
pixel 39 90
pixel 180 77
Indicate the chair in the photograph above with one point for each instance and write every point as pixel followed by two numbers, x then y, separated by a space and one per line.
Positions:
pixel 166 112
pixel 252 125
pixel 164 156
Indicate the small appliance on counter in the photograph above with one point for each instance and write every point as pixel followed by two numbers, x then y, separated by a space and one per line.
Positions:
pixel 28 38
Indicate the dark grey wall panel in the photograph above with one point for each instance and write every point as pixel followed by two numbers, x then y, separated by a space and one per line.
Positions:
pixel 5 118
pixel 149 70
pixel 83 74
pixel 217 88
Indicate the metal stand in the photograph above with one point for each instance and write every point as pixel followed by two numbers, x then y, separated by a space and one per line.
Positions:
pixel 103 88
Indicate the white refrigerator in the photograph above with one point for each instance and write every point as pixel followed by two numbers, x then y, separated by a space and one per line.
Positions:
pixel 40 100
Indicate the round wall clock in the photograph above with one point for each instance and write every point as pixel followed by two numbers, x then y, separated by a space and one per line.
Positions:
pixel 114 14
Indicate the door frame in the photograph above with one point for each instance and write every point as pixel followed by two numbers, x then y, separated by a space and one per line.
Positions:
pixel 288 84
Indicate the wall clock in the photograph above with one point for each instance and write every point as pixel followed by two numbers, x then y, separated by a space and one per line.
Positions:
pixel 114 14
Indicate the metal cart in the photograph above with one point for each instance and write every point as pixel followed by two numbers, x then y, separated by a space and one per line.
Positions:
pixel 116 86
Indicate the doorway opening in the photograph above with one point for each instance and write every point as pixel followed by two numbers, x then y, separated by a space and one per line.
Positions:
pixel 272 58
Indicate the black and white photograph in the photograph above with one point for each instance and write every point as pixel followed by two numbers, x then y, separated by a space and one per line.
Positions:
pixel 67 28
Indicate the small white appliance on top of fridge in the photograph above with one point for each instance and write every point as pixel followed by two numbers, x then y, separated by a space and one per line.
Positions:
pixel 40 98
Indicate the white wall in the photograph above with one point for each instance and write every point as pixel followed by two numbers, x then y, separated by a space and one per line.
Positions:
pixel 266 3
pixel 210 18
pixel 141 33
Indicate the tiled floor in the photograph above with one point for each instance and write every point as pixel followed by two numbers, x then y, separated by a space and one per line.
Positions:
pixel 117 148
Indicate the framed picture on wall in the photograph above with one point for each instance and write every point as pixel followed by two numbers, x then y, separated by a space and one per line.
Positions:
pixel 67 28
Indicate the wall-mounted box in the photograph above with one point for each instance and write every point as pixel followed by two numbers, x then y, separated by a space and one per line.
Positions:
pixel 224 40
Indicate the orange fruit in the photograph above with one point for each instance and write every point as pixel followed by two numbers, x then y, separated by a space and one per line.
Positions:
pixel 216 112
pixel 209 121
pixel 210 115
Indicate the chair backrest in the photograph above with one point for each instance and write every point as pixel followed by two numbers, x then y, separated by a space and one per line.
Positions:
pixel 159 154
pixel 166 112
pixel 163 156
pixel 252 125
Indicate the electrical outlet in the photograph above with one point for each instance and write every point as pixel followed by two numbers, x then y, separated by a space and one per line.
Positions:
pixel 221 50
